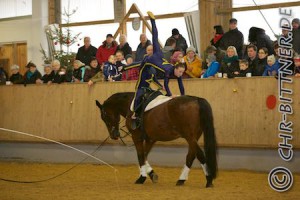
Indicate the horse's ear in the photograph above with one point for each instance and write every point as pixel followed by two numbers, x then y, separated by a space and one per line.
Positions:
pixel 99 104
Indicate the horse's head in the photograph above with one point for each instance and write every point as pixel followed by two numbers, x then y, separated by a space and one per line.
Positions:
pixel 111 119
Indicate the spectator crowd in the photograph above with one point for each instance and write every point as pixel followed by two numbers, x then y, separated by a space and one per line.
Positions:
pixel 226 57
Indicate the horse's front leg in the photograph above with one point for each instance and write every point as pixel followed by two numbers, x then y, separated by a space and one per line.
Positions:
pixel 148 146
pixel 139 146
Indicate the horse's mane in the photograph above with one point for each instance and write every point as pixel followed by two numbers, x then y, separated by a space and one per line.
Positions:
pixel 117 96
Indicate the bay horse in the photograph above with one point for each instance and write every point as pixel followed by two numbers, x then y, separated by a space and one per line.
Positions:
pixel 181 117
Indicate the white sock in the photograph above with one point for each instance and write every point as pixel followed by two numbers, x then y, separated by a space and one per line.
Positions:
pixel 148 167
pixel 143 171
pixel 184 173
pixel 204 167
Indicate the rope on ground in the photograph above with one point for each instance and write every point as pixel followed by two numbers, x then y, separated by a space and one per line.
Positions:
pixel 56 142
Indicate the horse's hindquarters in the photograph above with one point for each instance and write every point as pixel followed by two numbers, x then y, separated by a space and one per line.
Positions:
pixel 172 120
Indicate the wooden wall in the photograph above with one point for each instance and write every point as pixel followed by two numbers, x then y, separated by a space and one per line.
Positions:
pixel 209 18
pixel 67 112
pixel 15 53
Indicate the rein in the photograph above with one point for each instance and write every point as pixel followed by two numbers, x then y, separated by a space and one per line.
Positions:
pixel 126 134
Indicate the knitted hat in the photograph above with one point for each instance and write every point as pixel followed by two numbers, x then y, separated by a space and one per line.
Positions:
pixel 109 35
pixel 175 31
pixel 174 57
pixel 296 20
pixel 211 58
pixel 211 49
pixel 79 63
pixel 271 58
pixel 14 67
pixel 191 48
pixel 233 20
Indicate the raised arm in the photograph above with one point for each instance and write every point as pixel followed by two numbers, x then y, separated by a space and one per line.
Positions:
pixel 156 47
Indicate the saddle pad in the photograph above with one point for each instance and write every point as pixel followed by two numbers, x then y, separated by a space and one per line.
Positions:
pixel 155 102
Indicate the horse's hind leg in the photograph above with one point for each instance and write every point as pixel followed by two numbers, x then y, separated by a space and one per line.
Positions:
pixel 190 157
pixel 153 176
pixel 202 160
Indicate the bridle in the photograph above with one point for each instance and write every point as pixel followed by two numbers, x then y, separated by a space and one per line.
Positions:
pixel 122 129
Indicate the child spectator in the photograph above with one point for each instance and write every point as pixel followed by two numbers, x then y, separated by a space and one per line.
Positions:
pixel 47 78
pixel 91 70
pixel 272 66
pixel 78 71
pixel 130 74
pixel 16 77
pixel 230 63
pixel 110 70
pixel 32 74
pixel 129 59
pixel 297 65
pixel 213 66
pixel 244 69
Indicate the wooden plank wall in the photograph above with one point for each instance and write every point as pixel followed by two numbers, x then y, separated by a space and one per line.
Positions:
pixel 16 53
pixel 209 18
pixel 239 105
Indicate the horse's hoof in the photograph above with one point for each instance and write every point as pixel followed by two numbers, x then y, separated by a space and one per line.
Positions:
pixel 209 181
pixel 153 176
pixel 140 180
pixel 209 185
pixel 180 182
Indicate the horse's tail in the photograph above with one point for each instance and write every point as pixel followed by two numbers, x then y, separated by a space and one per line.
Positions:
pixel 210 142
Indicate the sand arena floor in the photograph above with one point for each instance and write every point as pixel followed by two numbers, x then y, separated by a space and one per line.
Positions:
pixel 88 181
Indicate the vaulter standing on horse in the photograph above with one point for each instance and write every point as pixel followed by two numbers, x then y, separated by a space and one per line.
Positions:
pixel 148 73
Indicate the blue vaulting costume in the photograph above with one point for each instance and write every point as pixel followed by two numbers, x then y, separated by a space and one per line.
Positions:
pixel 148 66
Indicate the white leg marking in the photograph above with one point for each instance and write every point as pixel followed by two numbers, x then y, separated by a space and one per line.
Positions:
pixel 204 167
pixel 143 171
pixel 148 167
pixel 184 173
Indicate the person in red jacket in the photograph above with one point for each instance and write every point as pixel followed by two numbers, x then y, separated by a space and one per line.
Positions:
pixel 107 49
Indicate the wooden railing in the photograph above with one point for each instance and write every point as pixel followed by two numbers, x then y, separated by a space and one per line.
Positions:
pixel 67 112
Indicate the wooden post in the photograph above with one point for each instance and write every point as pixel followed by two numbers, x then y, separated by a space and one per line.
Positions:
pixel 54 11
pixel 209 18
pixel 119 14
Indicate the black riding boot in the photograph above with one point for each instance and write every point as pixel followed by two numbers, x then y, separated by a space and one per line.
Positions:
pixel 135 123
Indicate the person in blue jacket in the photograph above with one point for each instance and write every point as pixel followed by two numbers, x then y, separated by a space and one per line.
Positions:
pixel 272 67
pixel 213 66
